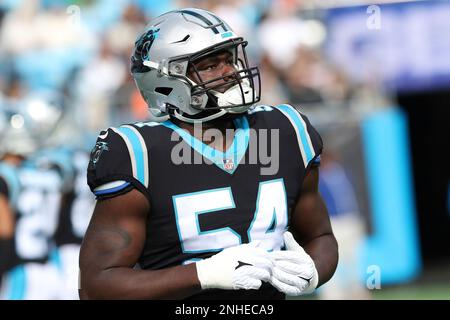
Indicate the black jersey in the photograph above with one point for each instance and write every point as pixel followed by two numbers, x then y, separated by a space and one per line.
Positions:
pixel 33 190
pixel 203 200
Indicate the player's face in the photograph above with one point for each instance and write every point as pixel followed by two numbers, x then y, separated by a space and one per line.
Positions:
pixel 211 67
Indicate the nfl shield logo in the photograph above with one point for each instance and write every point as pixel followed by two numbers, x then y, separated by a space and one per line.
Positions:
pixel 228 164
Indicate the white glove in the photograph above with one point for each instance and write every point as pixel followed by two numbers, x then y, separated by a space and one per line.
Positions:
pixel 294 272
pixel 241 267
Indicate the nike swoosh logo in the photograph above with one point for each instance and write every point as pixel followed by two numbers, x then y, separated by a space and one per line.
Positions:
pixel 306 279
pixel 182 40
pixel 103 136
pixel 241 264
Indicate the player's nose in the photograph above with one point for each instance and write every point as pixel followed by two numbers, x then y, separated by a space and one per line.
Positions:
pixel 228 70
pixel 228 73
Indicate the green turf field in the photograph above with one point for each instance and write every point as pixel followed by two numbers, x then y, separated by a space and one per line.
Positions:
pixel 414 292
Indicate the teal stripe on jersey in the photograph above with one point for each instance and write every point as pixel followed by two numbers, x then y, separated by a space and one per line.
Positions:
pixel 295 117
pixel 17 283
pixel 138 153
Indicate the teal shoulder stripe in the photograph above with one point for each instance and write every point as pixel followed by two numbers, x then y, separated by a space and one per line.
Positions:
pixel 9 174
pixel 301 130
pixel 137 153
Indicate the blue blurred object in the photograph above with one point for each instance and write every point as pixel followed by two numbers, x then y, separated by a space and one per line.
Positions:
pixel 10 4
pixel 103 14
pixel 406 50
pixel 337 190
pixel 49 68
pixel 154 8
pixel 46 4
pixel 394 244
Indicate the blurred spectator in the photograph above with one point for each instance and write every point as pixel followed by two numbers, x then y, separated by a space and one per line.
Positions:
pixel 125 107
pixel 310 79
pixel 280 34
pixel 19 22
pixel 46 36
pixel 128 105
pixel 96 85
pixel 302 76
pixel 121 36
pixel 273 91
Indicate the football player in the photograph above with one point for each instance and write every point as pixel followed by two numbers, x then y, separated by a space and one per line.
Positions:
pixel 169 226
pixel 31 186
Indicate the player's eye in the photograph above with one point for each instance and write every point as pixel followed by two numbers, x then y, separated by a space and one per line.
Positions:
pixel 209 67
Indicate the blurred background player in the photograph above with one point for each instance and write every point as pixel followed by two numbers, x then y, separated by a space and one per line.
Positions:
pixel 32 186
pixel 44 195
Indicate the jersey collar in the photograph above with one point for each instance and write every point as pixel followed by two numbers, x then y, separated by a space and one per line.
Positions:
pixel 227 161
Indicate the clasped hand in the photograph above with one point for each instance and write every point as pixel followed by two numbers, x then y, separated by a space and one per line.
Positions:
pixel 291 271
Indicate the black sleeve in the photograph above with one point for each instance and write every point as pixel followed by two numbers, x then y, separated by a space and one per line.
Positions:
pixel 110 161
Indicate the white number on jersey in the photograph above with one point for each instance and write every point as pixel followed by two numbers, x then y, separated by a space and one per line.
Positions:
pixel 39 204
pixel 269 222
pixel 271 216
pixel 187 209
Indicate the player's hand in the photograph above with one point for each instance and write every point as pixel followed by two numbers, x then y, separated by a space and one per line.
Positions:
pixel 241 267
pixel 294 272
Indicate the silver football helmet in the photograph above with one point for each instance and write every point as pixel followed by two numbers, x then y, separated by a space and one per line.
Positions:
pixel 169 47
pixel 28 123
